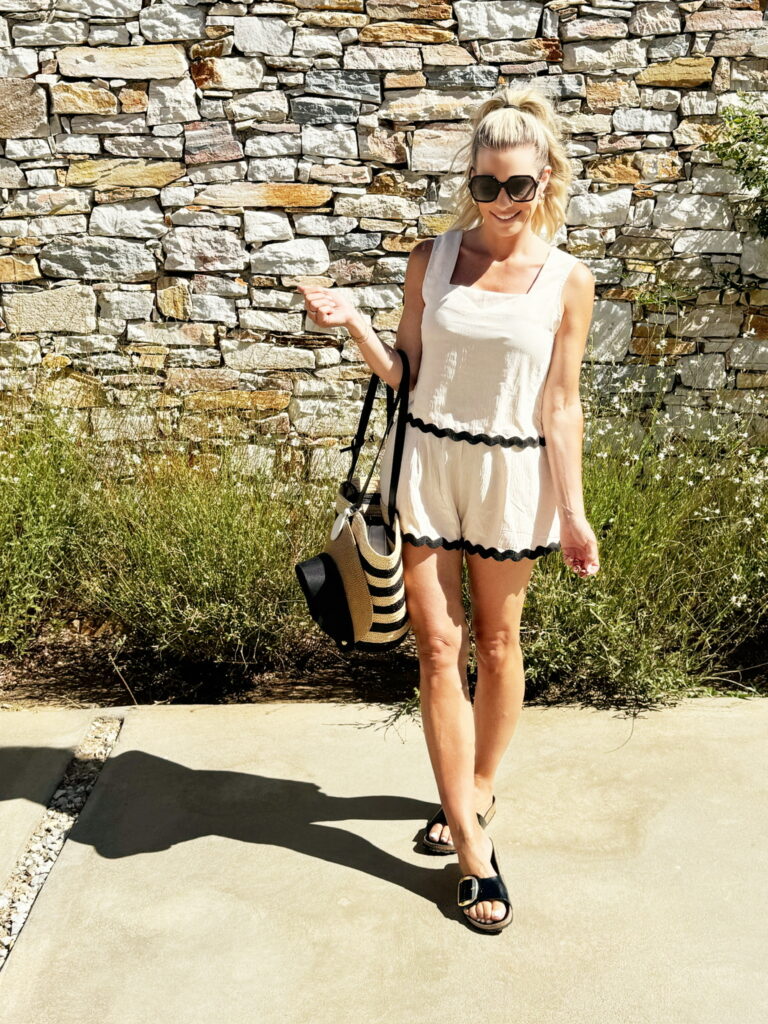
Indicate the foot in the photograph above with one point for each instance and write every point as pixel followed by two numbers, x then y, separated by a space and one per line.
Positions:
pixel 475 859
pixel 483 797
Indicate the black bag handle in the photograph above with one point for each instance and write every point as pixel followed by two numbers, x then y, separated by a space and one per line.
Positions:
pixel 394 402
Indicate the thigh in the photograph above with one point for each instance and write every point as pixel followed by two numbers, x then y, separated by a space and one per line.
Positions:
pixel 432 578
pixel 497 590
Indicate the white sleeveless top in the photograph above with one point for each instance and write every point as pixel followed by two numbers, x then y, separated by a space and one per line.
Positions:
pixel 475 472
pixel 485 355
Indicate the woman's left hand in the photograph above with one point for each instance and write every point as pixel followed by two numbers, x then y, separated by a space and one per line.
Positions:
pixel 579 546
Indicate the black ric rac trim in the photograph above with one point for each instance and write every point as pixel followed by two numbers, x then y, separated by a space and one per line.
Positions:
pixel 464 435
pixel 478 549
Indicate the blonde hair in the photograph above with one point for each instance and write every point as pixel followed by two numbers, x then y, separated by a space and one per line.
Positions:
pixel 520 117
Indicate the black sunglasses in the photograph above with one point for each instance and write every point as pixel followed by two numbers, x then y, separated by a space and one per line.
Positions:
pixel 521 188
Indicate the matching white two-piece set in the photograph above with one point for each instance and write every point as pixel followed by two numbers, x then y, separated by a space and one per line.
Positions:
pixel 474 471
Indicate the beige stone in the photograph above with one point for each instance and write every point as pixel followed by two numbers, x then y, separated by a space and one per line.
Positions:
pixel 173 297
pixel 224 400
pixel 71 309
pixel 133 98
pixel 13 268
pixel 23 109
pixel 617 169
pixel 82 98
pixel 142 62
pixel 244 193
pixel 403 31
pixel 107 173
pixel 183 378
pixel 682 72
pixel 72 391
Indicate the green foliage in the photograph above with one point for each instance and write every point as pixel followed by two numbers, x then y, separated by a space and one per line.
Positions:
pixel 193 559
pixel 742 143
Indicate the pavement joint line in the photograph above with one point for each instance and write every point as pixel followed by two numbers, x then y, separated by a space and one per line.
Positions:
pixel 45 843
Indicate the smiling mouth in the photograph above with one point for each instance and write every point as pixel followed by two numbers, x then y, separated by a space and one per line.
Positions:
pixel 514 215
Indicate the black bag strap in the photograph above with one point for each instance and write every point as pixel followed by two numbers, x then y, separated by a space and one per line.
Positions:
pixel 394 402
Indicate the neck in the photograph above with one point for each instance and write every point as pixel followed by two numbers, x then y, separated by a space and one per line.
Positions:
pixel 501 246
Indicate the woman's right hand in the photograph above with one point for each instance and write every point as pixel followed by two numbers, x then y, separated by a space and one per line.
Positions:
pixel 327 308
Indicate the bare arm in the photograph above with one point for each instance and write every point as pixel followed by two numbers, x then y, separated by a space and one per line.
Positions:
pixel 561 412
pixel 380 357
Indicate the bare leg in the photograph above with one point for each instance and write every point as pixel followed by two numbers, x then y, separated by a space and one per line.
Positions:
pixel 498 592
pixel 433 589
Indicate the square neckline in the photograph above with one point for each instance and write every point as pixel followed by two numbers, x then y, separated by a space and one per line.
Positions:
pixel 488 291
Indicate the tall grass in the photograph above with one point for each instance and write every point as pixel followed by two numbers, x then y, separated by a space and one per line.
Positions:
pixel 193 557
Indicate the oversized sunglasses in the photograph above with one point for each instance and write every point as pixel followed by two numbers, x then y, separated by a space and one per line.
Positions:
pixel 521 188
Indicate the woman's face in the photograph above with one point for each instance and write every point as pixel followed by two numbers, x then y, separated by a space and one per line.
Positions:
pixel 503 214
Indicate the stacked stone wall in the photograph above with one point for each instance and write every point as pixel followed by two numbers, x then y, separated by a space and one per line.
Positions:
pixel 171 171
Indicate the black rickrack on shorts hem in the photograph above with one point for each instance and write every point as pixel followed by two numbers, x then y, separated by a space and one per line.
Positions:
pixel 465 435
pixel 478 549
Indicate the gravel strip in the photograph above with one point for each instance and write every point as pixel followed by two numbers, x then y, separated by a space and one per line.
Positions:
pixel 45 843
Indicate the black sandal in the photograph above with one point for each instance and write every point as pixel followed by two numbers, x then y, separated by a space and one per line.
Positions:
pixel 436 846
pixel 472 889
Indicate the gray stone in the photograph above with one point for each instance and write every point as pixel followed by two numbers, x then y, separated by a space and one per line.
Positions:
pixel 203 249
pixel 173 335
pixel 267 226
pixel 263 106
pixel 140 218
pixel 351 85
pixel 611 330
pixel 749 354
pixel 263 35
pixel 298 256
pixel 19 354
pixel 172 100
pixel 165 23
pixel 702 371
pixel 145 146
pixel 111 124
pixel 18 63
pixel 600 209
pixel 325 142
pixel 126 305
pixel 50 33
pixel 113 259
pixel 245 356
pixel 35 202
pixel 496 19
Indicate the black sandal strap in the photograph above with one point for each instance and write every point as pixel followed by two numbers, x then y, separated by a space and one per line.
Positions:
pixel 438 818
pixel 472 889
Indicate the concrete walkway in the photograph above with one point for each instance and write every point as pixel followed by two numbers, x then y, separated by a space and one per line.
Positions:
pixel 260 863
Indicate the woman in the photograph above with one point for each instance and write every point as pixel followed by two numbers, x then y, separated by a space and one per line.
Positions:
pixel 494 324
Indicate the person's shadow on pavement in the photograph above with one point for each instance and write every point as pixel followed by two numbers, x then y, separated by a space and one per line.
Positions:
pixel 142 803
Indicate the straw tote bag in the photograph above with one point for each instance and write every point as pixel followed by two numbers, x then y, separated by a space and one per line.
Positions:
pixel 354 588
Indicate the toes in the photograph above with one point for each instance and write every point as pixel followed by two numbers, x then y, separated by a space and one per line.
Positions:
pixel 440 834
pixel 487 912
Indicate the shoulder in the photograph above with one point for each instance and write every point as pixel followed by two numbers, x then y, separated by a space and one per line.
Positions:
pixel 578 278
pixel 421 251
pixel 576 270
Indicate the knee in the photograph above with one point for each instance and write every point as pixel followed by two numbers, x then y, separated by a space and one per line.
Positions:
pixel 494 647
pixel 441 649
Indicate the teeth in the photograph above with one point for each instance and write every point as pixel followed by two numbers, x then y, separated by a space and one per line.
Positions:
pixel 507 218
